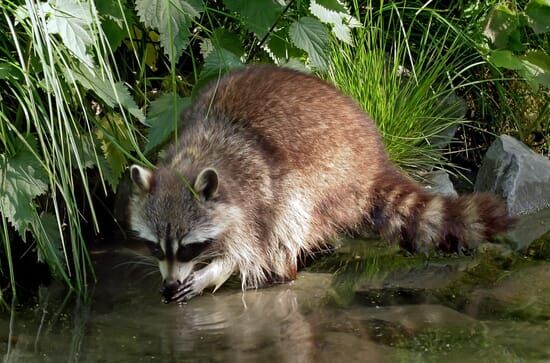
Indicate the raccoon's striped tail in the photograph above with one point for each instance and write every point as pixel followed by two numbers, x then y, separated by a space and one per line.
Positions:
pixel 403 211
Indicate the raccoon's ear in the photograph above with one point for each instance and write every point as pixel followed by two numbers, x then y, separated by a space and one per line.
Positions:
pixel 206 184
pixel 141 177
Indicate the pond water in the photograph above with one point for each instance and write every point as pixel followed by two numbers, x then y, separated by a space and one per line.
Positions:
pixel 366 302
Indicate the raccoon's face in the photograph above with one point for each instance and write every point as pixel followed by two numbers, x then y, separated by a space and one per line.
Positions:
pixel 180 221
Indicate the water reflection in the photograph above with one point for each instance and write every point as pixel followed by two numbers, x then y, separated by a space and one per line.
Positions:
pixel 374 306
pixel 263 324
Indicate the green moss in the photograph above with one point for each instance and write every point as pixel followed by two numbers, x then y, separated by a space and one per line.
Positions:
pixel 488 266
pixel 359 261
pixel 540 249
pixel 436 345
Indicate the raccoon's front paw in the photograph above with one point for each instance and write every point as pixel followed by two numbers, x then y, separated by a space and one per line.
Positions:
pixel 187 290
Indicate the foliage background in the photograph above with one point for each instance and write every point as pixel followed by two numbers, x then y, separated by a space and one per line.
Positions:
pixel 91 86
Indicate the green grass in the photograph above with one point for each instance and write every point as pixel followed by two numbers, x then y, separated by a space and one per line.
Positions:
pixel 50 137
pixel 404 70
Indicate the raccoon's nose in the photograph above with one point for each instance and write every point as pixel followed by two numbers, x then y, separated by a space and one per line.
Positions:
pixel 169 290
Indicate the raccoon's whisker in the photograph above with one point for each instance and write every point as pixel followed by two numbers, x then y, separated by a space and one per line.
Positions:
pixel 209 255
pixel 148 274
pixel 135 263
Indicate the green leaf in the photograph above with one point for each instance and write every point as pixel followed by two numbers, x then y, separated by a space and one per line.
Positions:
pixel 22 179
pixel 258 15
pixel 86 152
pixel 150 56
pixel 172 19
pixel 340 20
pixel 333 5
pixel 505 59
pixel 116 21
pixel 113 94
pixel 72 20
pixel 163 117
pixel 538 12
pixel 501 29
pixel 222 38
pixel 536 68
pixel 46 231
pixel 280 48
pixel 218 62
pixel 311 35
pixel 113 139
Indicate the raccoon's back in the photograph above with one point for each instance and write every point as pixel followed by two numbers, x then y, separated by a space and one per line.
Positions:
pixel 299 118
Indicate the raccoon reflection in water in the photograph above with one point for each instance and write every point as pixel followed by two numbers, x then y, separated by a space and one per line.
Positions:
pixel 272 164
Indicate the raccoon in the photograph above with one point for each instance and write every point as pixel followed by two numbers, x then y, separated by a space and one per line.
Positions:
pixel 272 164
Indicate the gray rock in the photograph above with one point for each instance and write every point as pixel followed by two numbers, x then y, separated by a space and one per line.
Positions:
pixel 455 108
pixel 439 182
pixel 522 177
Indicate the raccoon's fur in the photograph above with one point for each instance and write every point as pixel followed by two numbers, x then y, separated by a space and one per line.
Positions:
pixel 272 164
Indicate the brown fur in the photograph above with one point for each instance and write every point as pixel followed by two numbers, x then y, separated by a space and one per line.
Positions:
pixel 302 163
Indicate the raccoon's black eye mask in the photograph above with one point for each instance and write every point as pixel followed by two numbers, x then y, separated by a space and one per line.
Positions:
pixel 155 249
pixel 189 251
pixel 185 253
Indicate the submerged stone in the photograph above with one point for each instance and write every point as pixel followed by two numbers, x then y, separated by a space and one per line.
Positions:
pixel 523 294
pixel 522 178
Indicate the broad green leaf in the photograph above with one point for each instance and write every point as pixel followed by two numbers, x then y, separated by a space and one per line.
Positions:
pixel 163 117
pixel 206 47
pixel 86 152
pixel 125 99
pixel 218 62
pixel 222 38
pixel 112 137
pixel 151 56
pixel 113 94
pixel 172 19
pixel 296 64
pixel 116 21
pixel 340 20
pixel 334 5
pixel 46 231
pixel 536 68
pixel 311 35
pixel 258 15
pixel 198 5
pixel 538 12
pixel 280 48
pixel 505 59
pixel 22 179
pixel 72 20
pixel 501 28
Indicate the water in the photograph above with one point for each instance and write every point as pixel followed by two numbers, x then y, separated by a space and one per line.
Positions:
pixel 367 303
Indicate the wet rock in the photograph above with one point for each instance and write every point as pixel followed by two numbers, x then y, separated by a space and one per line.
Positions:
pixel 523 341
pixel 415 318
pixel 524 294
pixel 522 178
pixel 439 182
pixel 418 285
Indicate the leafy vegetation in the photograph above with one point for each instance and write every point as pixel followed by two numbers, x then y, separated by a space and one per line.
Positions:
pixel 407 65
pixel 92 85
pixel 89 84
pixel 512 95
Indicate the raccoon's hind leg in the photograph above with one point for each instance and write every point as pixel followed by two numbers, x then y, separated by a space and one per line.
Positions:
pixel 213 274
